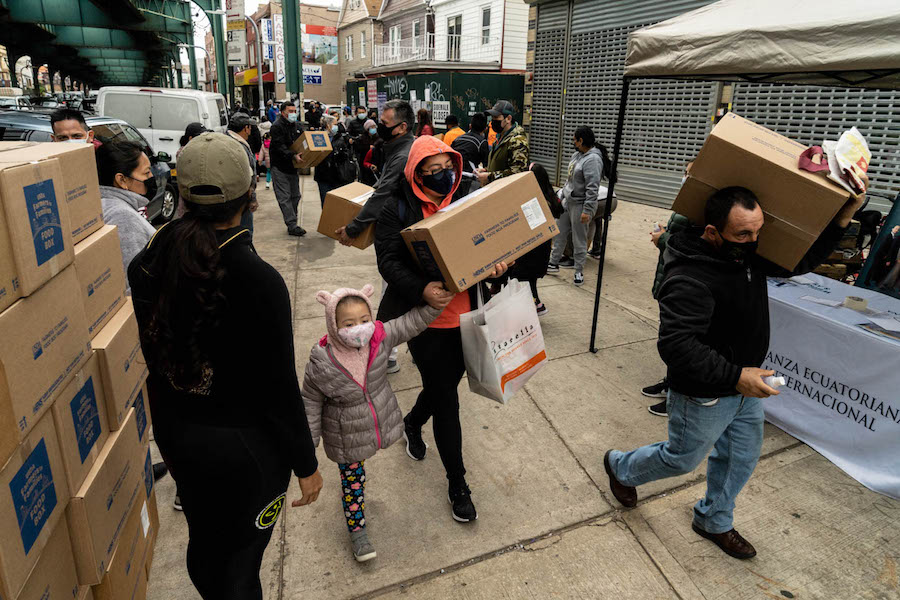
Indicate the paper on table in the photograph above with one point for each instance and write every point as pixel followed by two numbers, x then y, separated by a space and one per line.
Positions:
pixel 888 323
pixel 823 301
pixel 801 279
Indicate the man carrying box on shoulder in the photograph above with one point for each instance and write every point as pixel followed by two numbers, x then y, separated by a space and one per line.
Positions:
pixel 713 335
pixel 285 179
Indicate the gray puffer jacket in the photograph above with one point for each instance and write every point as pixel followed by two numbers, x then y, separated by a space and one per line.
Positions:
pixel 356 420
pixel 583 183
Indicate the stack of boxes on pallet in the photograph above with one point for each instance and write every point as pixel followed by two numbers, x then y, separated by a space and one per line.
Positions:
pixel 78 514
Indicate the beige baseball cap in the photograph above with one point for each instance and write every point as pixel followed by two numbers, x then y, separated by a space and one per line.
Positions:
pixel 213 169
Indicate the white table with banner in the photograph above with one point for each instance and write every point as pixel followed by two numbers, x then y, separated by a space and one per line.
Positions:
pixel 842 371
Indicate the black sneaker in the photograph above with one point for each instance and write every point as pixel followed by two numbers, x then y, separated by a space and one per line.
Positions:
pixel 567 263
pixel 541 309
pixel 160 470
pixel 415 445
pixel 176 503
pixel 658 409
pixel 551 268
pixel 657 390
pixel 594 254
pixel 461 502
pixel 297 231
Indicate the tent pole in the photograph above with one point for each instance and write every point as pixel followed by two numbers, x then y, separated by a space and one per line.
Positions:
pixel 617 146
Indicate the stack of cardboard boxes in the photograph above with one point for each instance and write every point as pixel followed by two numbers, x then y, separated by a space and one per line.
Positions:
pixel 78 512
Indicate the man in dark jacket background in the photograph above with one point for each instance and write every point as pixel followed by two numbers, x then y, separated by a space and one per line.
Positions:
pixel 285 179
pixel 713 335
pixel 474 149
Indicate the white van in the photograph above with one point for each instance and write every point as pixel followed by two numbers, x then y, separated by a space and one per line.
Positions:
pixel 161 114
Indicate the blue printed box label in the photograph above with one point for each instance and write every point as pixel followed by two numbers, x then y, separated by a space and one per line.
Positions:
pixel 148 473
pixel 140 415
pixel 43 214
pixel 318 140
pixel 86 418
pixel 33 495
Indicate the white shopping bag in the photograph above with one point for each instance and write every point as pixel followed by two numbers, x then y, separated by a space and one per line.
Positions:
pixel 502 342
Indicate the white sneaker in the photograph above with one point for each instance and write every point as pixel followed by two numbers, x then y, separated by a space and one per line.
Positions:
pixel 267 185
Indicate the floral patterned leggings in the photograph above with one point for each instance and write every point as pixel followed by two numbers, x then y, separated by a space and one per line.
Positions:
pixel 353 482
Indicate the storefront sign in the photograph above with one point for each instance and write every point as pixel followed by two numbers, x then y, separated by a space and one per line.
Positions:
pixel 440 110
pixel 236 44
pixel 267 34
pixel 312 74
pixel 372 93
pixel 278 23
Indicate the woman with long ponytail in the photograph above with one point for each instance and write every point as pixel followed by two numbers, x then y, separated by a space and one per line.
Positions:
pixel 215 328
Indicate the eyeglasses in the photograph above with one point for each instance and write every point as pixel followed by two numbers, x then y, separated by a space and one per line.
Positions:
pixel 434 170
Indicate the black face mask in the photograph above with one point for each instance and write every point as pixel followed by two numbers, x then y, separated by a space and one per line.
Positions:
pixel 149 185
pixel 441 182
pixel 386 133
pixel 497 126
pixel 741 252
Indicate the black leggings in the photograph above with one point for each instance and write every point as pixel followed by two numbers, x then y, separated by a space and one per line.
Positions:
pixel 232 483
pixel 533 283
pixel 439 357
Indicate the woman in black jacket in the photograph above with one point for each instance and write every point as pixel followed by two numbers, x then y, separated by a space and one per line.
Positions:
pixel 215 329
pixel 339 168
pixel 431 176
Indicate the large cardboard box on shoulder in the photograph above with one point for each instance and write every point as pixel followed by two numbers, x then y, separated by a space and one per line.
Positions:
pixel 122 363
pixel 314 146
pixel 35 237
pixel 98 511
pixel 81 423
pixel 461 243
pixel 81 187
pixel 797 204
pixel 54 575
pixel 129 562
pixel 341 206
pixel 98 264
pixel 33 498
pixel 44 343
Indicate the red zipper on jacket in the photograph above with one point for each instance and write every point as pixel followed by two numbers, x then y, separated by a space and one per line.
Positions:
pixel 365 393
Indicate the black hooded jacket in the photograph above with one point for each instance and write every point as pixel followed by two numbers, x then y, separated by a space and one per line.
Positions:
pixel 714 313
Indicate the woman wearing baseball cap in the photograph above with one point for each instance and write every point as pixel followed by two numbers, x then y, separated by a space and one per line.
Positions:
pixel 215 325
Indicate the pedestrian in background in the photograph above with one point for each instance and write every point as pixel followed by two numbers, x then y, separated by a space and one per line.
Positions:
pixel 338 168
pixel 509 155
pixel 216 330
pixel 580 198
pixel 240 129
pixel 265 158
pixel 453 129
pixel 713 335
pixel 271 111
pixel 285 178
pixel 474 151
pixel 367 175
pixel 423 123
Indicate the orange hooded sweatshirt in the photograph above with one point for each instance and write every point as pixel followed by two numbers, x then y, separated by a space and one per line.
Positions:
pixel 422 148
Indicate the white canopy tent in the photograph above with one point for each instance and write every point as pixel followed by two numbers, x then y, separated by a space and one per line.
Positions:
pixel 826 42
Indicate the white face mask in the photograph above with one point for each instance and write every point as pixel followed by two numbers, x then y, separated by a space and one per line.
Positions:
pixel 292 117
pixel 334 129
pixel 76 141
pixel 357 336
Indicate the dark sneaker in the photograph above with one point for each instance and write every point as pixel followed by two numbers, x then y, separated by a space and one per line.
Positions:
pixel 625 494
pixel 730 542
pixel 297 231
pixel 579 279
pixel 461 502
pixel 551 268
pixel 658 409
pixel 160 470
pixel 393 365
pixel 541 309
pixel 594 255
pixel 363 549
pixel 176 503
pixel 415 445
pixel 567 263
pixel 657 390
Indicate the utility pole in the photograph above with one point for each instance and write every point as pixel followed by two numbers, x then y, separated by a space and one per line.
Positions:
pixel 293 55
pixel 259 73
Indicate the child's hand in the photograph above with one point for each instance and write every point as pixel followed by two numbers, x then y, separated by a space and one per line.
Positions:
pixel 309 489
pixel 436 296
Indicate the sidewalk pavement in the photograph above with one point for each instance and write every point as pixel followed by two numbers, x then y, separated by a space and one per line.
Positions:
pixel 548 526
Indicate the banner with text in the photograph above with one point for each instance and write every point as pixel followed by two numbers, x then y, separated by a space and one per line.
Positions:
pixel 312 74
pixel 236 34
pixel 278 22
pixel 841 395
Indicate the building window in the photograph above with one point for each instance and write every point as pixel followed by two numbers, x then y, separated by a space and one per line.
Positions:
pixel 485 25
pixel 417 34
pixel 395 38
pixel 348 53
pixel 454 37
pixel 362 44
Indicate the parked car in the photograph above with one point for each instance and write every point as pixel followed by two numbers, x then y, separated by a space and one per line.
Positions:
pixel 15 103
pixel 161 114
pixel 34 126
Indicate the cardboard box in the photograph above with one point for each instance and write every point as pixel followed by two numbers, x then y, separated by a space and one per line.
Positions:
pixel 81 423
pixel 85 593
pixel 315 146
pixel 98 511
pixel 128 564
pixel 798 205
pixel 33 497
pixel 154 531
pixel 54 576
pixel 122 363
pixel 35 223
pixel 43 343
pixel 461 243
pixel 142 415
pixel 101 278
pixel 341 206
pixel 79 173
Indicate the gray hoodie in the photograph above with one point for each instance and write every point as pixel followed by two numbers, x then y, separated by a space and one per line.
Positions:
pixel 585 172
pixel 120 208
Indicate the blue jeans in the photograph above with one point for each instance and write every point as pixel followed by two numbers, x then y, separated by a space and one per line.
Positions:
pixel 732 427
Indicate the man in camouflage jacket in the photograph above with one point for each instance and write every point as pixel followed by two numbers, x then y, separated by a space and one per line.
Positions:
pixel 509 155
